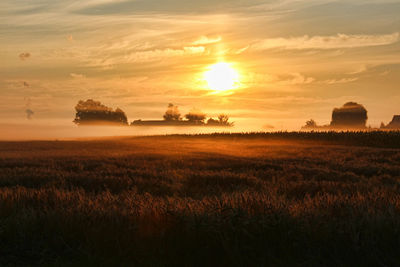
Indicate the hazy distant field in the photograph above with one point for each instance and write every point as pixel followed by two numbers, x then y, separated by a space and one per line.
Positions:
pixel 326 199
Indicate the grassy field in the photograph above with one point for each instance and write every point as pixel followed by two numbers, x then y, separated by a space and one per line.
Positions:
pixel 298 199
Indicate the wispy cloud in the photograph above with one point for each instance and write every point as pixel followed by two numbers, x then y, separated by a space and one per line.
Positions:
pixel 204 40
pixel 340 81
pixel 241 50
pixel 327 42
pixel 77 75
pixel 359 69
pixel 278 80
pixel 147 56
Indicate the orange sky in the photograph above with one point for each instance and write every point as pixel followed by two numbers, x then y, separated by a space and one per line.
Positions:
pixel 297 59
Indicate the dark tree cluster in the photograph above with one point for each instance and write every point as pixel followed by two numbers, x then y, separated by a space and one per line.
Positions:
pixel 351 115
pixel 223 120
pixel 195 117
pixel 93 112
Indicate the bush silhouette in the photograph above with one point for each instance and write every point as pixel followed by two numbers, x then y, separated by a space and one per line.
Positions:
pixel 196 116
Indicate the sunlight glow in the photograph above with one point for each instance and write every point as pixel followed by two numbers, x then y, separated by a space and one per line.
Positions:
pixel 222 77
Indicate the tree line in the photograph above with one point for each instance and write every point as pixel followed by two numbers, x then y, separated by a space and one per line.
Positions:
pixel 94 112
pixel 195 116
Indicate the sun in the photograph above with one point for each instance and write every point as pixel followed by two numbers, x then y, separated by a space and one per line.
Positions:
pixel 221 77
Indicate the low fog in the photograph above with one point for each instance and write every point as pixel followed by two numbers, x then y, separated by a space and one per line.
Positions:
pixel 61 132
pixel 95 120
pixel 37 129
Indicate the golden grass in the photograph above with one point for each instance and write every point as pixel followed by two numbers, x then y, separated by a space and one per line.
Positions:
pixel 226 200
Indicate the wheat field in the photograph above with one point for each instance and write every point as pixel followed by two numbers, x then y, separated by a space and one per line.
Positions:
pixel 278 199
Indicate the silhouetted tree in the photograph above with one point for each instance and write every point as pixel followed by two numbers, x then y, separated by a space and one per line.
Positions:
pixel 195 116
pixel 310 124
pixel 172 113
pixel 91 111
pixel 351 115
pixel 223 119
pixel 120 116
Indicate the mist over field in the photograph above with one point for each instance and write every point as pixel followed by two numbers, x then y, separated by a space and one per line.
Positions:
pixel 37 130
pixel 94 119
pixel 51 132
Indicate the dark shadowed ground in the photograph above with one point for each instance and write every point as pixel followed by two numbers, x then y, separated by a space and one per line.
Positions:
pixel 300 199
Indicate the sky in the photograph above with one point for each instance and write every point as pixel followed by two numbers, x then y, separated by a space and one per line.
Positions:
pixel 297 59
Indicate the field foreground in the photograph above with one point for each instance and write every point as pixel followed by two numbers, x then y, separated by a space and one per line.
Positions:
pixel 216 200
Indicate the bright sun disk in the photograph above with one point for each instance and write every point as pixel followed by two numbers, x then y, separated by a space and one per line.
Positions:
pixel 221 77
